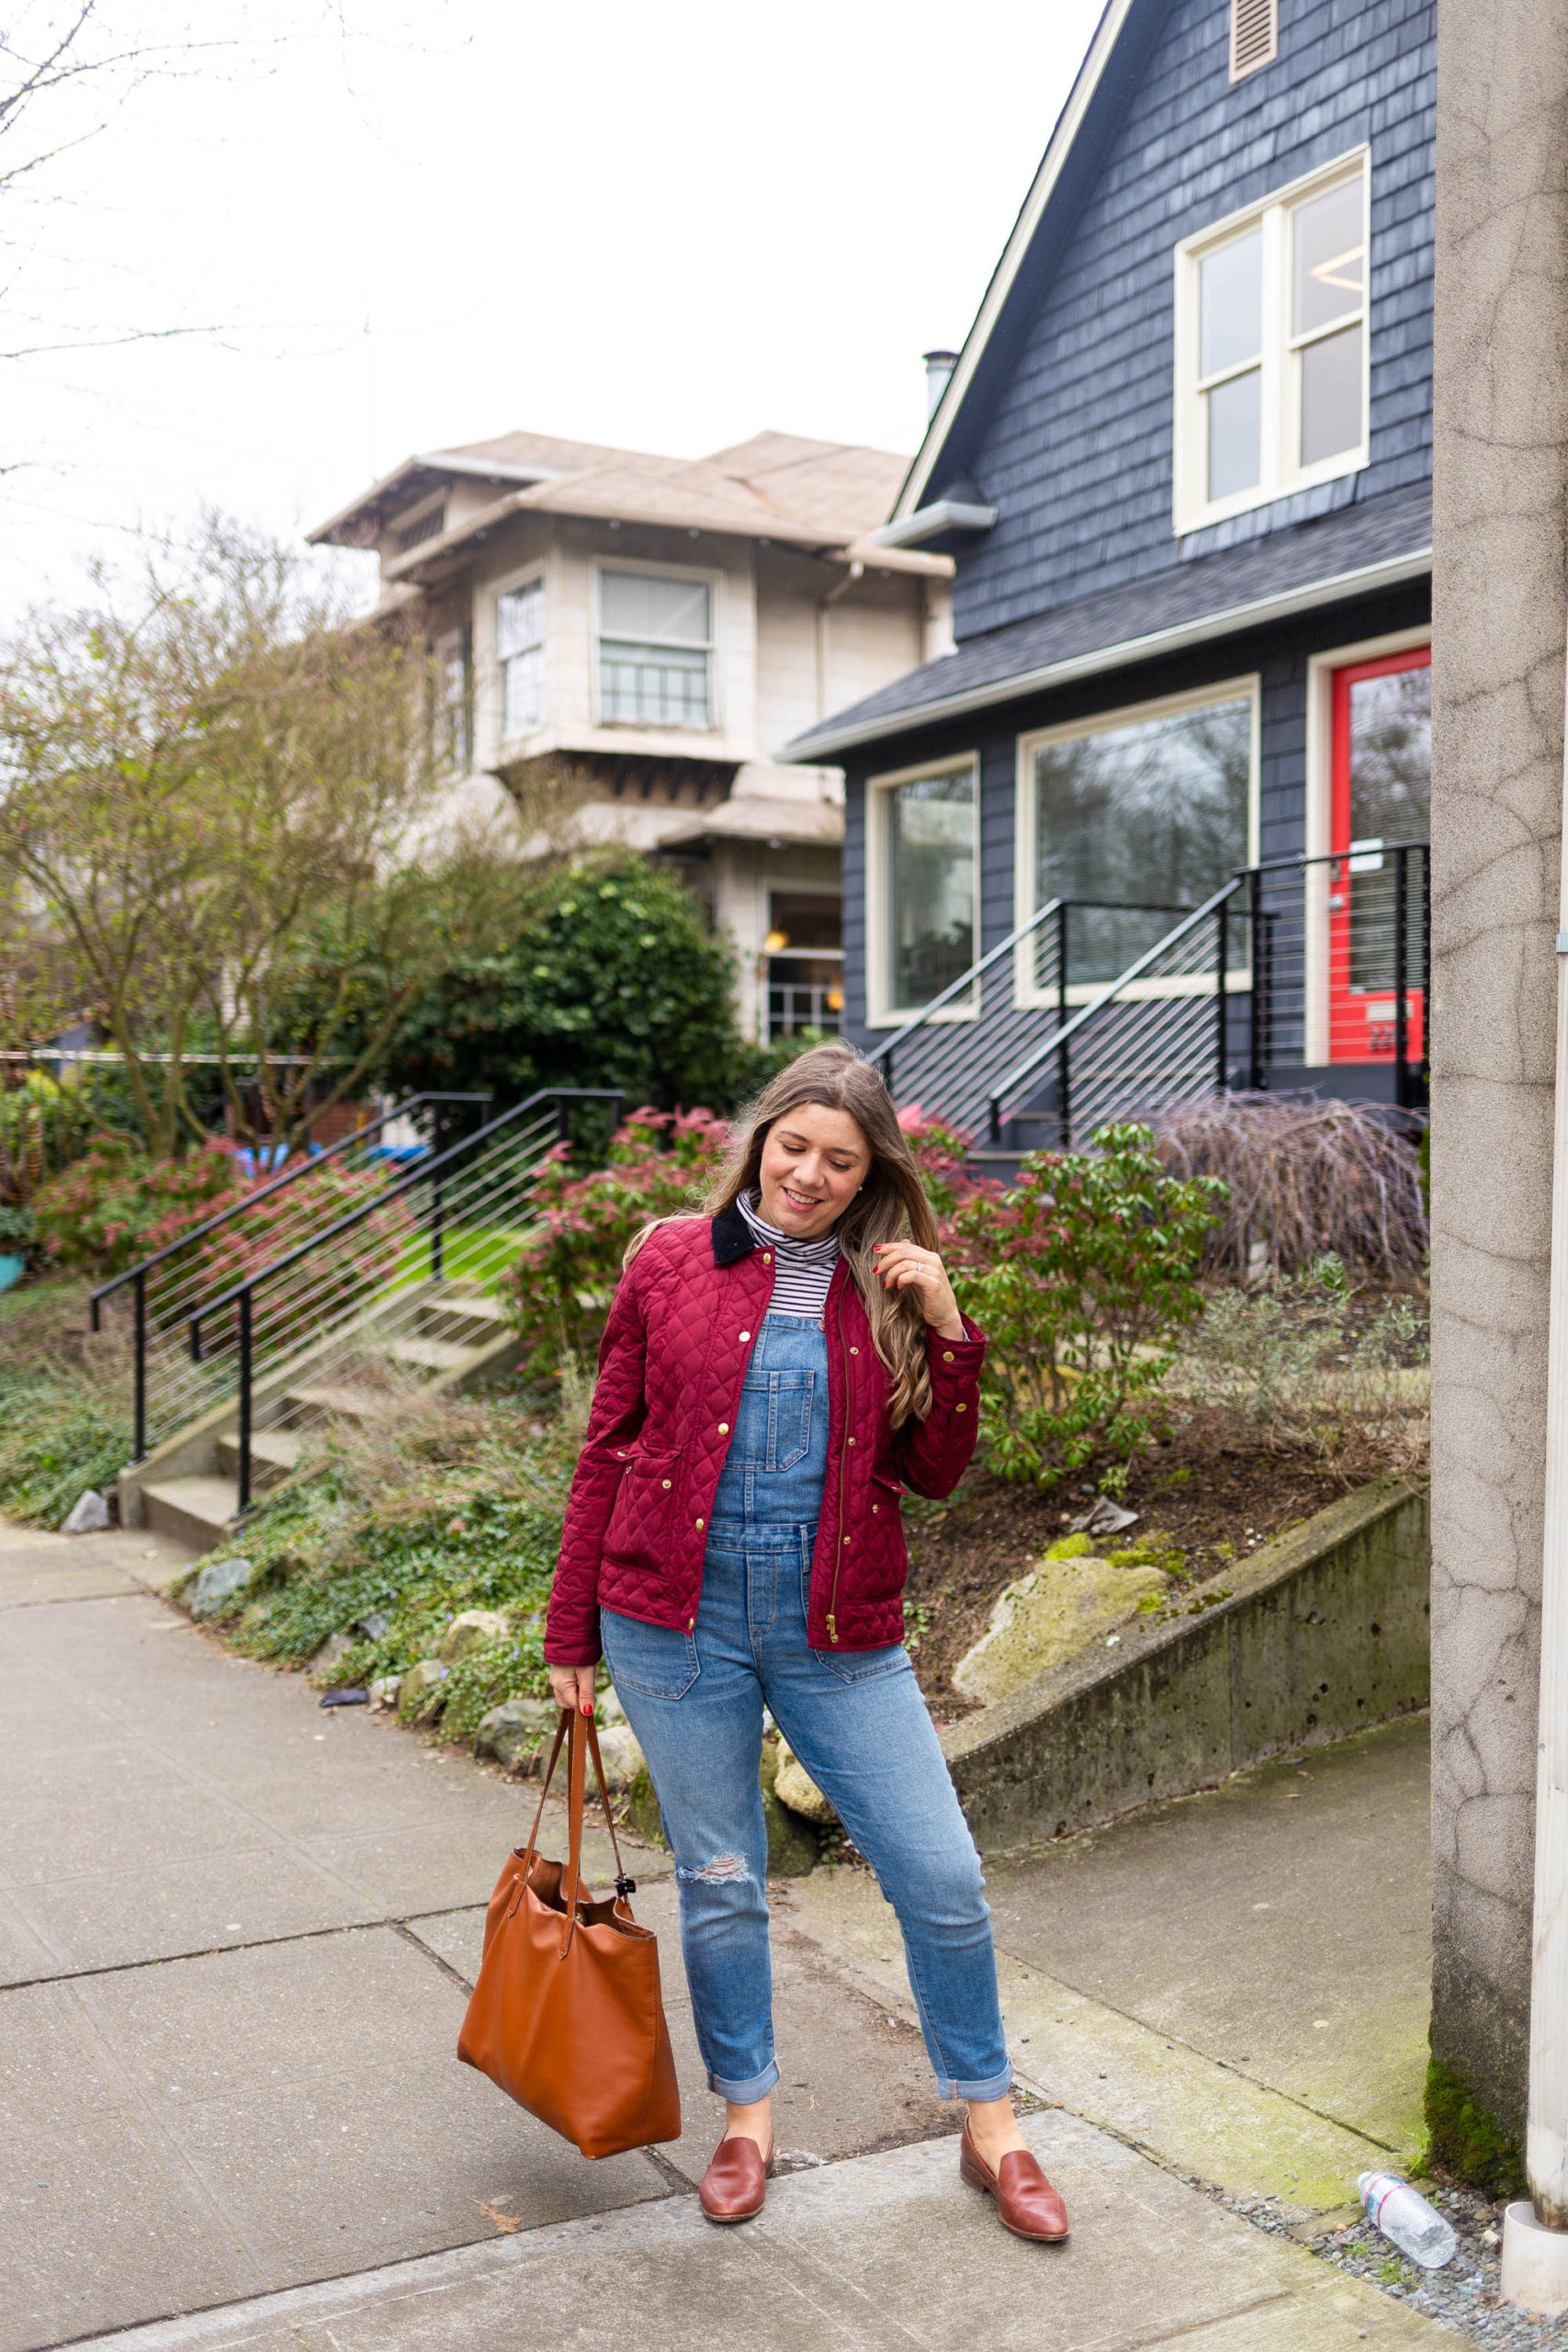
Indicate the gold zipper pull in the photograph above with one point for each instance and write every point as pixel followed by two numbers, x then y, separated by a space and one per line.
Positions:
pixel 833 1631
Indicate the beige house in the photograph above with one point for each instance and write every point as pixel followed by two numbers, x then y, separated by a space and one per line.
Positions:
pixel 640 636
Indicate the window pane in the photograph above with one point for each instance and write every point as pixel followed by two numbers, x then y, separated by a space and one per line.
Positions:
pixel 930 862
pixel 1330 257
pixel 640 605
pixel 1154 812
pixel 1331 395
pixel 652 685
pixel 1390 784
pixel 519 619
pixel 1230 304
pixel 522 692
pixel 1236 434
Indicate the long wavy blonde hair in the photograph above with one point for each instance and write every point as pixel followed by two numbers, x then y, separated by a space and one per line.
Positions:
pixel 891 1202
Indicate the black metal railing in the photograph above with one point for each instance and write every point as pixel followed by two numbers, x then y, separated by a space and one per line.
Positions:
pixel 945 1056
pixel 349 1292
pixel 1300 972
pixel 165 1285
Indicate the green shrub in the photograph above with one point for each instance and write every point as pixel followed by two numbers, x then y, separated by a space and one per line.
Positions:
pixel 604 973
pixel 660 1164
pixel 1080 1277
pixel 114 1205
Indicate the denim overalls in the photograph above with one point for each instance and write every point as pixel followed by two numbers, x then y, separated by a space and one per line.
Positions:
pixel 855 1718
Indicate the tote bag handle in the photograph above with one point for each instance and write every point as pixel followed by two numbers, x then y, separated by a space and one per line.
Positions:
pixel 581 1736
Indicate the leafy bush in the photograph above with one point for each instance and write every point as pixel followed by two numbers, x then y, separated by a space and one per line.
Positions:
pixel 1080 1277
pixel 604 973
pixel 660 1164
pixel 64 1403
pixel 1308 1366
pixel 449 1505
pixel 1305 1176
pixel 115 1206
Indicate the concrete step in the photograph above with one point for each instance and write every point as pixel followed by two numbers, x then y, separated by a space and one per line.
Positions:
pixel 468 1322
pixel 328 1398
pixel 198 1511
pixel 431 1355
pixel 274 1454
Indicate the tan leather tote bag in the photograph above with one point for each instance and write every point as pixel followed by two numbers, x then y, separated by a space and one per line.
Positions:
pixel 567 2014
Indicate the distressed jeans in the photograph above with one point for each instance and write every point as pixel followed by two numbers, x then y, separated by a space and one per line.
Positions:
pixel 855 1718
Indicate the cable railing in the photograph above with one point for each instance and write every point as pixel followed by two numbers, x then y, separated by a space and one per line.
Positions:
pixel 1297 967
pixel 404 1285
pixel 945 1059
pixel 303 1198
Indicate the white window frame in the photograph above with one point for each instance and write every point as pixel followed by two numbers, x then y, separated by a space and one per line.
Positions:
pixel 1026 994
pixel 880 1014
pixel 527 577
pixel 1320 815
pixel 1281 392
pixel 715 581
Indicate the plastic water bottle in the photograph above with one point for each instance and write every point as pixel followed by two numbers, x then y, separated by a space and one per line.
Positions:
pixel 1403 2215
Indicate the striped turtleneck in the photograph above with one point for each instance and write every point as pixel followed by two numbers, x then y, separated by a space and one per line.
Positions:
pixel 802 1269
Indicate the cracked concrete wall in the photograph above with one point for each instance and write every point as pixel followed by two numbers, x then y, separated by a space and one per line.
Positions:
pixel 1501 467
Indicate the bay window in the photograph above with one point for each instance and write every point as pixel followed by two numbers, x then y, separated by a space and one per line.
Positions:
pixel 655 648
pixel 519 658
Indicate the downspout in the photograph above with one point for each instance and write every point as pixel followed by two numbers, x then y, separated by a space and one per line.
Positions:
pixel 855 571
pixel 1535 2230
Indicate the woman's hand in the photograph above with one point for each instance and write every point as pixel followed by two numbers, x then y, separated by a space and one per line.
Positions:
pixel 904 1265
pixel 573 1688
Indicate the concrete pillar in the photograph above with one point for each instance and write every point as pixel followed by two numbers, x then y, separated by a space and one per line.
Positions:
pixel 1501 465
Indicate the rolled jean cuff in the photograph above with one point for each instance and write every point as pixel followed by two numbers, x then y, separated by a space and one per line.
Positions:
pixel 996 2087
pixel 758 2086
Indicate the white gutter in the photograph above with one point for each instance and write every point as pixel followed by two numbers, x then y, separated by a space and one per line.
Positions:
pixel 1261 610
pixel 1535 2230
pixel 930 521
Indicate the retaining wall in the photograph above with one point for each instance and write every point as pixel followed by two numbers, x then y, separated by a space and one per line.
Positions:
pixel 1322 1630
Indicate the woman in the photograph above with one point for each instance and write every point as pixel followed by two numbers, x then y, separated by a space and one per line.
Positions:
pixel 768 1377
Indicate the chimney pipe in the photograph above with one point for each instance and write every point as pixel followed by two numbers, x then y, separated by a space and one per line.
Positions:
pixel 940 366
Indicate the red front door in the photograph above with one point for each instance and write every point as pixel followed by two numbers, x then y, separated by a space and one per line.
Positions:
pixel 1381 788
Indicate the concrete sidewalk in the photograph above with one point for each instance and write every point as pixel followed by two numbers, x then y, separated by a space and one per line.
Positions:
pixel 235 1937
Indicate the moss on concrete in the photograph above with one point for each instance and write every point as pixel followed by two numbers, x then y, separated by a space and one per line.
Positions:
pixel 1464 2140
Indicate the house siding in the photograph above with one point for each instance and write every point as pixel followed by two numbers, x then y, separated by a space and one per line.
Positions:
pixel 1075 447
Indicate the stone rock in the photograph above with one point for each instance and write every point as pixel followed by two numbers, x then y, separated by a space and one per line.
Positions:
pixel 89 1515
pixel 794 1786
pixel 793 1845
pixel 385 1690
pixel 418 1684
pixel 329 1657
pixel 216 1585
pixel 514 1732
pixel 607 1708
pixel 373 1628
pixel 621 1756
pixel 1047 1617
pixel 472 1631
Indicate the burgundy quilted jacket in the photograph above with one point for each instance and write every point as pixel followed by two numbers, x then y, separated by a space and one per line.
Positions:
pixel 670 1368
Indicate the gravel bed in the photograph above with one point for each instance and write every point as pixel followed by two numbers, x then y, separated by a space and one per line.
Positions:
pixel 1462 2295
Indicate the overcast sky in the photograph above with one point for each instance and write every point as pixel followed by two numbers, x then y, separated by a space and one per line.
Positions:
pixel 395 229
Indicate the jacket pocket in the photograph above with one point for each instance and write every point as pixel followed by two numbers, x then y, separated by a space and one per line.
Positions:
pixel 645 1507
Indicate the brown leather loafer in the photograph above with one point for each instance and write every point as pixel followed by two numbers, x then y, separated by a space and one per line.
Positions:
pixel 1026 2202
pixel 736 2183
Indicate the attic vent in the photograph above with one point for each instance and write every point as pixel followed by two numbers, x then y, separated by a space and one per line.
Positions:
pixel 1255 35
pixel 429 526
